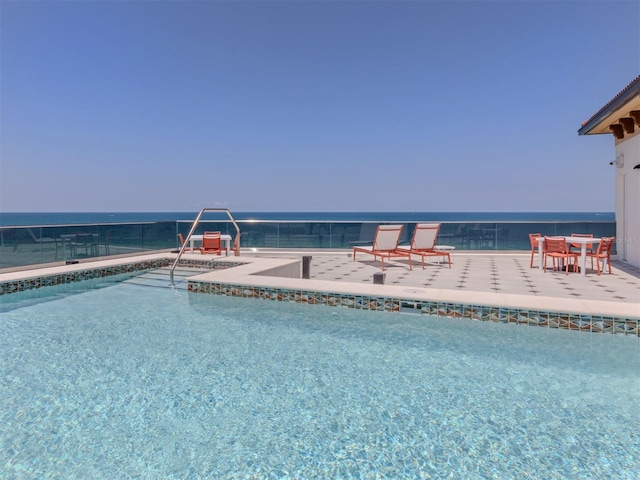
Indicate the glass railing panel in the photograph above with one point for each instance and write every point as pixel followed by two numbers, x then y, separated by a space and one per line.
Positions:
pixel 158 236
pixel 455 234
pixel 30 245
pixel 259 235
pixel 46 244
pixel 25 246
pixel 304 235
pixel 121 239
pixel 354 234
pixel 213 226
pixel 80 242
pixel 347 235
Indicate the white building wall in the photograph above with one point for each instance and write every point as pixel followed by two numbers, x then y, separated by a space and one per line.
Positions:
pixel 628 200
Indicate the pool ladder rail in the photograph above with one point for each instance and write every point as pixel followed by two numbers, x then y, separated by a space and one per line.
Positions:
pixel 236 243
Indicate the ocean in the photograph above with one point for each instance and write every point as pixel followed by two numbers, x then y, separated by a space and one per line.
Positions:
pixel 74 218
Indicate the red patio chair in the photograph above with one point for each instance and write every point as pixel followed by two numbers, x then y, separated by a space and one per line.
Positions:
pixel 557 249
pixel 236 245
pixel 211 243
pixel 181 238
pixel 603 252
pixel 535 246
pixel 576 247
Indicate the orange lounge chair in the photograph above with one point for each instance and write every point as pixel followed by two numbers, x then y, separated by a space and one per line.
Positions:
pixel 423 243
pixel 211 243
pixel 385 244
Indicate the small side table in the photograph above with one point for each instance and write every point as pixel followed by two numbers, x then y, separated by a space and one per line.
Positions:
pixel 446 248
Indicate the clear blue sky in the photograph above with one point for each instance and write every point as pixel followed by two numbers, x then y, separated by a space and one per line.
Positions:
pixel 310 105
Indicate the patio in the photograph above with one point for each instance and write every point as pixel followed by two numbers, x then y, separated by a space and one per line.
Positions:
pixel 496 273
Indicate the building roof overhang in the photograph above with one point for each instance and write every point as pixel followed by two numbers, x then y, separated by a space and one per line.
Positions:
pixel 619 116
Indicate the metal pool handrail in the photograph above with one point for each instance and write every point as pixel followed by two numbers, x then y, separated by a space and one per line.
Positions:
pixel 193 229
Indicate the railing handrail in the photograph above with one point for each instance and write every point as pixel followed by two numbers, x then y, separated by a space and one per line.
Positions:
pixel 411 222
pixel 193 229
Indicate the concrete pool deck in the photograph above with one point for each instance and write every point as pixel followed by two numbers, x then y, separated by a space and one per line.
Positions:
pixel 499 278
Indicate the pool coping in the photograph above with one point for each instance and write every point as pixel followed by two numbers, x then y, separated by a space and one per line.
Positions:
pixel 280 279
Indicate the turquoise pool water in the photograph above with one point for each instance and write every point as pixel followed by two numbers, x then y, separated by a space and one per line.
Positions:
pixel 106 379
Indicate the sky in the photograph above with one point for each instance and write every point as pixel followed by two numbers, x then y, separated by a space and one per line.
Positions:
pixel 276 106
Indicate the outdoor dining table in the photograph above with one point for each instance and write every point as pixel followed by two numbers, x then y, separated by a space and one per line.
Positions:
pixel 225 239
pixel 68 241
pixel 582 241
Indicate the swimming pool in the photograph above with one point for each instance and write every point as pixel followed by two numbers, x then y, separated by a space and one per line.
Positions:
pixel 107 379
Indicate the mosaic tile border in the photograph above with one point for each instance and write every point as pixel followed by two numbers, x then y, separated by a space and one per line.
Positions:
pixel 215 264
pixel 539 318
pixel 15 286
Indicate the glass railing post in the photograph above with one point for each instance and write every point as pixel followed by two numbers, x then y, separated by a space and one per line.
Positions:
pixel 330 235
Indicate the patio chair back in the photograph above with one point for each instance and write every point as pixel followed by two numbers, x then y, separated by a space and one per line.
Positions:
pixel 236 245
pixel 605 246
pixel 558 250
pixel 577 246
pixel 535 246
pixel 603 252
pixel 387 238
pixel 211 243
pixel 533 239
pixel 425 236
pixel 555 245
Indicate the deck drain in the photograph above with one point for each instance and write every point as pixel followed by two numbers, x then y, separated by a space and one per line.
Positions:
pixel 413 290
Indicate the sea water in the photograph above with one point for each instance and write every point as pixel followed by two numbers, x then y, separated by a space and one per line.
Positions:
pixel 69 218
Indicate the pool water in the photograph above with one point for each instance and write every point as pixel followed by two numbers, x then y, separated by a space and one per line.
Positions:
pixel 115 380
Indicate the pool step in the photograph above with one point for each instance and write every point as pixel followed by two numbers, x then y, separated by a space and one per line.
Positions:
pixel 161 278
